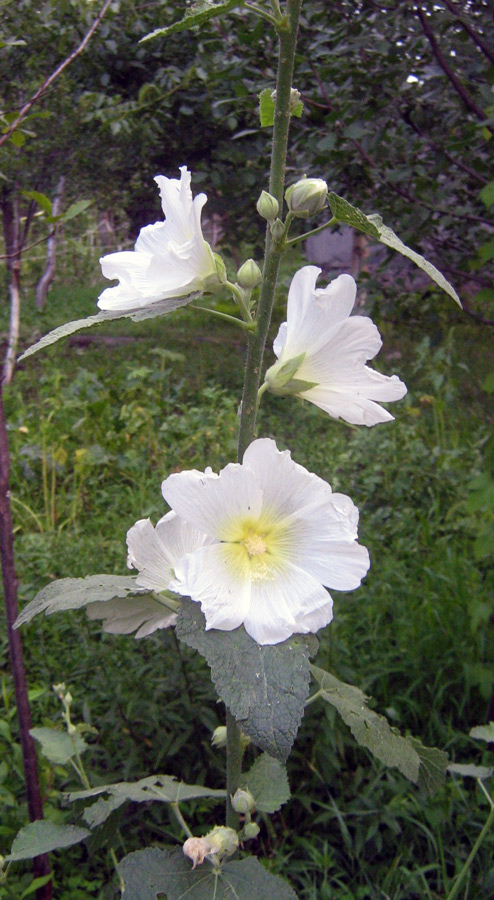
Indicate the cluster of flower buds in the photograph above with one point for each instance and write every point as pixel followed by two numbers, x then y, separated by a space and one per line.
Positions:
pixel 217 845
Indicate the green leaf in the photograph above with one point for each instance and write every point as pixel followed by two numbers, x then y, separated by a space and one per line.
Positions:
pixel 266 108
pixel 42 837
pixel 74 593
pixel 58 746
pixel 351 215
pixel 423 765
pixel 433 766
pixel 152 873
pixel 18 138
pixel 161 308
pixel 35 884
pixel 483 732
pixel 164 788
pixel 470 771
pixel 373 225
pixel 268 783
pixel 265 687
pixel 198 14
pixel 41 199
pixel 487 194
pixel 75 209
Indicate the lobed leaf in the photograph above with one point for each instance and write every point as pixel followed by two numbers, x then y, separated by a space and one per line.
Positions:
pixel 373 226
pixel 58 746
pixel 267 781
pixel 265 687
pixel 74 593
pixel 483 732
pixel 152 873
pixel 160 308
pixel 198 14
pixel 471 771
pixel 164 788
pixel 424 766
pixel 42 837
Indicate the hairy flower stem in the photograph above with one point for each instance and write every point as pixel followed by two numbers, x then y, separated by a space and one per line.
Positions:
pixel 287 30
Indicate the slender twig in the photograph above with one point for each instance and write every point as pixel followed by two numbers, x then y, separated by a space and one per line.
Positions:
pixel 448 71
pixel 54 75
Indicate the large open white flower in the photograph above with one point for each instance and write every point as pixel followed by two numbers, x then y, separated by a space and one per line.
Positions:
pixel 170 259
pixel 154 552
pixel 279 535
pixel 322 352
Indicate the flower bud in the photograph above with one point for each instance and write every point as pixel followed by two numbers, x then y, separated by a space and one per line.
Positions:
pixel 250 831
pixel 243 801
pixel 268 206
pixel 218 738
pixel 196 849
pixel 277 230
pixel 307 197
pixel 249 275
pixel 221 841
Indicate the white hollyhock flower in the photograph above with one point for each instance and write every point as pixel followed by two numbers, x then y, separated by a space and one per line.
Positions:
pixel 322 352
pixel 279 535
pixel 170 259
pixel 154 552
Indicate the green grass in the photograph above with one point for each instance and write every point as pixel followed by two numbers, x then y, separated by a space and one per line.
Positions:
pixel 94 428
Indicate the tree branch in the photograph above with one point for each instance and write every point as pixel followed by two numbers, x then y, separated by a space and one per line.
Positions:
pixel 487 51
pixel 54 75
pixel 448 71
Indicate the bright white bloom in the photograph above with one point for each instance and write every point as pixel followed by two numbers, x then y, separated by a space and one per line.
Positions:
pixel 280 535
pixel 154 552
pixel 322 352
pixel 171 258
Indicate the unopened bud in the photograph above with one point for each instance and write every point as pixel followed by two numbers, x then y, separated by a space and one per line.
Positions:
pixel 222 841
pixel 249 275
pixel 218 738
pixel 277 230
pixel 268 206
pixel 243 801
pixel 307 197
pixel 250 831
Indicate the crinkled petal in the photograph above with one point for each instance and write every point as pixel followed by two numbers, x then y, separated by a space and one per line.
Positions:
pixel 279 607
pixel 216 577
pixel 349 406
pixel 214 503
pixel 154 551
pixel 312 313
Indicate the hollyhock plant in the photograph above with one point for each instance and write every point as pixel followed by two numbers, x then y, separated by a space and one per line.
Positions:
pixel 279 536
pixel 170 259
pixel 322 352
pixel 154 552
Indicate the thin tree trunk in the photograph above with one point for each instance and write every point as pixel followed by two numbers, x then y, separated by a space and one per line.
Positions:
pixel 15 312
pixel 11 229
pixel 41 865
pixel 48 275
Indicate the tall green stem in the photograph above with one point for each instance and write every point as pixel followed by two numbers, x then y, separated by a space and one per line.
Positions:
pixel 257 341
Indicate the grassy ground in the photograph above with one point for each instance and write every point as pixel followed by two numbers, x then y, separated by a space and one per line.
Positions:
pixel 94 428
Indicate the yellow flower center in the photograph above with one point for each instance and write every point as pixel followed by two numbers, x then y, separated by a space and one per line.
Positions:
pixel 254 544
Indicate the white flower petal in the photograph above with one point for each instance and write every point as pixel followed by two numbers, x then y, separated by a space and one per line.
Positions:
pixel 280 608
pixel 215 577
pixel 171 258
pixel 213 503
pixel 330 350
pixel 155 551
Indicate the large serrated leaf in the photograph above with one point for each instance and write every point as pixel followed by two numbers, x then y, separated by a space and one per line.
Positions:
pixel 265 687
pixel 160 308
pixel 268 783
pixel 373 225
pixel 351 215
pixel 197 14
pixel 163 788
pixel 74 593
pixel 43 837
pixel 425 766
pixel 149 874
pixel 58 746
